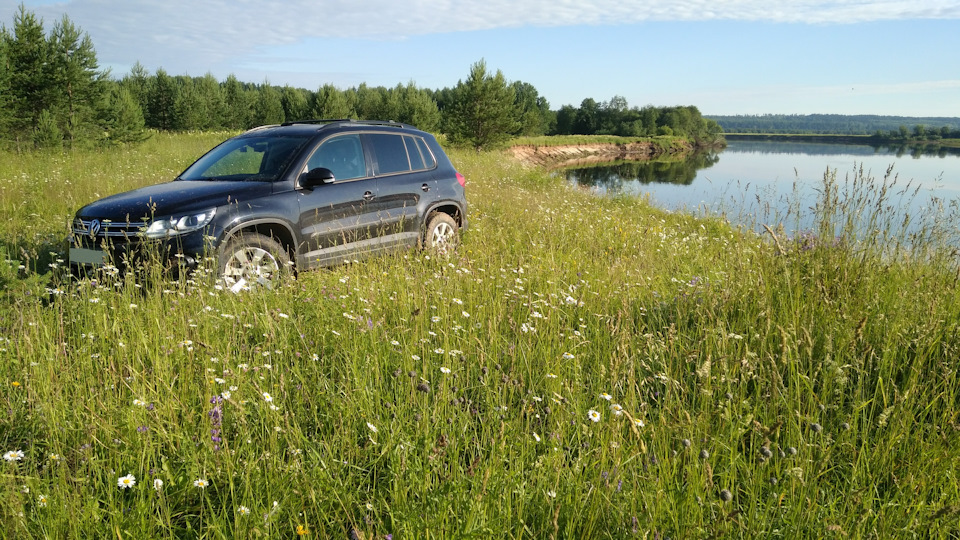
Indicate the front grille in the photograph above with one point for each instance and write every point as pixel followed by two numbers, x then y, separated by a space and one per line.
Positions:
pixel 100 229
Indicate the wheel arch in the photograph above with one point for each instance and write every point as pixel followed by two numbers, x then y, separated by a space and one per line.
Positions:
pixel 450 209
pixel 279 231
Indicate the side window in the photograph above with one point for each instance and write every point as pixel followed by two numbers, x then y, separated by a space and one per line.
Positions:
pixel 428 160
pixel 391 152
pixel 416 160
pixel 343 155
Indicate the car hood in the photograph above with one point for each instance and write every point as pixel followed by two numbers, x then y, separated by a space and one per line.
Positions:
pixel 173 198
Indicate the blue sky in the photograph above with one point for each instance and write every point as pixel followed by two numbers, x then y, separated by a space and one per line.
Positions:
pixel 724 56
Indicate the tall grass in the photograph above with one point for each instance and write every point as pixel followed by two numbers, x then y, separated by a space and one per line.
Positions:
pixel 581 367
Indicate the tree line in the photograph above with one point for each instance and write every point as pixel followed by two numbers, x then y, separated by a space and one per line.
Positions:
pixel 895 127
pixel 919 133
pixel 54 94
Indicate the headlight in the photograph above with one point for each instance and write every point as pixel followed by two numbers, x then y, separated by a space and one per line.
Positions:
pixel 176 225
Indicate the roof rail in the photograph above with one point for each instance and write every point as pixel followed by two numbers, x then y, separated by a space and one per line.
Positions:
pixel 318 121
pixel 348 120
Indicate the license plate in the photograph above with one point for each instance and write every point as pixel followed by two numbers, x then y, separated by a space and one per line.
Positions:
pixel 87 256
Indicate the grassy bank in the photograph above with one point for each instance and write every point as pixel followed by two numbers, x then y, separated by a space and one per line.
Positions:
pixel 582 367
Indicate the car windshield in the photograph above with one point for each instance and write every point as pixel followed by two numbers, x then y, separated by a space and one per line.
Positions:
pixel 255 159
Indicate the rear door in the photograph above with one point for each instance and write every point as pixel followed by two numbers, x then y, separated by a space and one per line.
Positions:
pixel 405 181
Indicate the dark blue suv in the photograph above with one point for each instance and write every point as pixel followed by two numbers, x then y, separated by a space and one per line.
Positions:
pixel 301 194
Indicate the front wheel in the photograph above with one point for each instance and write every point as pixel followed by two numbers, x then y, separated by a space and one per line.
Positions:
pixel 441 234
pixel 252 260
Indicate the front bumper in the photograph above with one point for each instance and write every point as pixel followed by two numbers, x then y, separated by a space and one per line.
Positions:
pixel 91 256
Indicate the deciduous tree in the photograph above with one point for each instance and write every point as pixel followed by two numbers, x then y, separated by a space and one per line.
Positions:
pixel 533 110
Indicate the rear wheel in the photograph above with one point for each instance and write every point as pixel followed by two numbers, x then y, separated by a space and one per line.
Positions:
pixel 252 260
pixel 441 234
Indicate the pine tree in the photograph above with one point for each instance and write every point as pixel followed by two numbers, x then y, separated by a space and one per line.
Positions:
pixel 46 134
pixel 5 99
pixel 161 97
pixel 237 105
pixel 295 103
pixel 209 91
pixel 369 101
pixel 137 82
pixel 268 108
pixel 418 108
pixel 189 108
pixel 77 84
pixel 27 56
pixel 484 114
pixel 123 119
pixel 390 106
pixel 329 103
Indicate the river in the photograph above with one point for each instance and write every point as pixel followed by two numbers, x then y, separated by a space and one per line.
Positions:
pixel 761 182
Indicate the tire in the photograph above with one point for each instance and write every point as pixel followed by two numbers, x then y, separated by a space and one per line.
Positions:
pixel 252 260
pixel 441 234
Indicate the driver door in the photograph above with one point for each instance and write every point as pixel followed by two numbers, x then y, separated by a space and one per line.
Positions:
pixel 338 219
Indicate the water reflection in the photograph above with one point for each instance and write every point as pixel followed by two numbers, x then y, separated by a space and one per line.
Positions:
pixel 774 167
pixel 834 149
pixel 612 176
pixel 753 182
pixel 917 152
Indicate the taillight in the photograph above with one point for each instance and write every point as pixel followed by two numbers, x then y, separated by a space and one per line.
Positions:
pixel 461 180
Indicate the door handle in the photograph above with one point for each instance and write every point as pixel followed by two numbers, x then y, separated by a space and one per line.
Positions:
pixel 425 187
pixel 368 196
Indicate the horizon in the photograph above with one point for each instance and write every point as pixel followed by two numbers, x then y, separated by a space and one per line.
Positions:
pixel 727 58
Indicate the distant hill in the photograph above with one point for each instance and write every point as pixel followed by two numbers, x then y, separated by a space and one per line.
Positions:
pixel 828 123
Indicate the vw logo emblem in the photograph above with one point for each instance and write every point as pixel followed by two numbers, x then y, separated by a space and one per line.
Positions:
pixel 94 228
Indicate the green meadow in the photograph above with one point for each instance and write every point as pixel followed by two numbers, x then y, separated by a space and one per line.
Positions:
pixel 581 367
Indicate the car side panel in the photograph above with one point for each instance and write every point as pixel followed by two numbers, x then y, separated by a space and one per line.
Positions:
pixel 336 215
pixel 401 204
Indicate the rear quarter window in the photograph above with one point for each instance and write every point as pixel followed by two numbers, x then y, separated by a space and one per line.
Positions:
pixel 416 160
pixel 429 161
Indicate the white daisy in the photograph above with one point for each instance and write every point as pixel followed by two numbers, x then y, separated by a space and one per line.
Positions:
pixel 126 482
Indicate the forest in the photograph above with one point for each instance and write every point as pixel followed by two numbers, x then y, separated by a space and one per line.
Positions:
pixel 900 128
pixel 53 94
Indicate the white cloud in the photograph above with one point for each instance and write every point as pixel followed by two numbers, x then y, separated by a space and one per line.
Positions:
pixel 260 38
pixel 216 29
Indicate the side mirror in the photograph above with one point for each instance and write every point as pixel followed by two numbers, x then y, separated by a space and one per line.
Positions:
pixel 316 177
